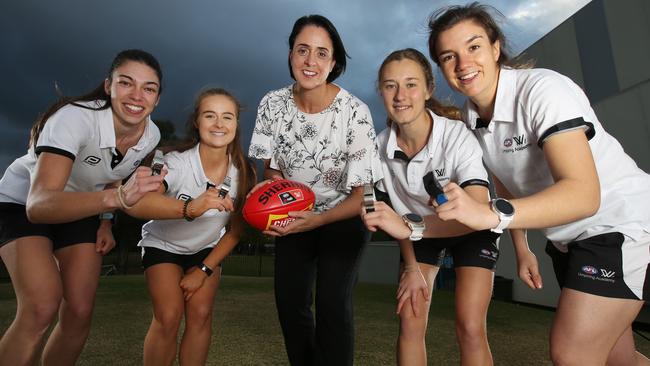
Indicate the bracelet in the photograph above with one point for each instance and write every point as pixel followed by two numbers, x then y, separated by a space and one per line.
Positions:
pixel 120 197
pixel 185 204
pixel 411 268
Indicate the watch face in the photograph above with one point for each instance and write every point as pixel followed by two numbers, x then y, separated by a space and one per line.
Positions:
pixel 504 207
pixel 415 218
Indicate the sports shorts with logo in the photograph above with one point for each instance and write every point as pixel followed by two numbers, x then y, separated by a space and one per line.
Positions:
pixel 476 249
pixel 610 265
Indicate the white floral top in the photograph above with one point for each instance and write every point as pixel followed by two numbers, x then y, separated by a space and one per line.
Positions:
pixel 331 151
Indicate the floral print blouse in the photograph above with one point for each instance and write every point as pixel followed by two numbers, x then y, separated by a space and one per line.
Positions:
pixel 331 151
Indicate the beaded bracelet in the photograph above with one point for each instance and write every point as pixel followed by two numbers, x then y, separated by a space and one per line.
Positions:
pixel 185 205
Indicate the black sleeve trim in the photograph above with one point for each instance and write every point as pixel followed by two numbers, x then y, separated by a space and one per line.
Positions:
pixel 475 182
pixel 568 125
pixel 54 150
pixel 166 185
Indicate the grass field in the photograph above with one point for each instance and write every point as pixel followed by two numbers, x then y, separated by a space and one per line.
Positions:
pixel 246 330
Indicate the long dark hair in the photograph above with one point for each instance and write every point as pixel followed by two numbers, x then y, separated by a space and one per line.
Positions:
pixel 432 103
pixel 247 175
pixel 98 93
pixel 339 50
pixel 447 17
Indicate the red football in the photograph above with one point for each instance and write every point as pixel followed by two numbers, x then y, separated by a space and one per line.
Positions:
pixel 270 204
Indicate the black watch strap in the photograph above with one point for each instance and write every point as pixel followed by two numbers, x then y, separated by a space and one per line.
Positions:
pixel 204 267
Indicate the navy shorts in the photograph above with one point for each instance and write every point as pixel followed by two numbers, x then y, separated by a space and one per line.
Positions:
pixel 610 265
pixel 14 225
pixel 476 249
pixel 152 256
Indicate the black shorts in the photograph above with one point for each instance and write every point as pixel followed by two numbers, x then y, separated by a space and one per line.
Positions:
pixel 14 225
pixel 610 265
pixel 151 256
pixel 476 249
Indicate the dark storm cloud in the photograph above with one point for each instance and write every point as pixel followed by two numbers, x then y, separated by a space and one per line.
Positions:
pixel 238 45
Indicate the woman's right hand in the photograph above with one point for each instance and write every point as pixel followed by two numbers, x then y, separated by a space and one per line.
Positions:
pixel 210 200
pixel 386 219
pixel 140 183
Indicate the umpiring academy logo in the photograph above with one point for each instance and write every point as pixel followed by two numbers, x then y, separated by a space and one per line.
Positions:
pixel 92 160
pixel 597 274
pixel 516 143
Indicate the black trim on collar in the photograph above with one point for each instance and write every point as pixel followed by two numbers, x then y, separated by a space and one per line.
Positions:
pixel 475 182
pixel 399 154
pixel 567 125
pixel 481 123
pixel 116 158
pixel 209 185
pixel 54 150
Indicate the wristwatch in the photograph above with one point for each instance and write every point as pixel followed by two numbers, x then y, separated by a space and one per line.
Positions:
pixel 107 216
pixel 204 267
pixel 504 209
pixel 415 222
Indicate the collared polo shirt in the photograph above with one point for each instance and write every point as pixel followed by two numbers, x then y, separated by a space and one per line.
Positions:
pixel 186 179
pixel 531 106
pixel 451 153
pixel 86 136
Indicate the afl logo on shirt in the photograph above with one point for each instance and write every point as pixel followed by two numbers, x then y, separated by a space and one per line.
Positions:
pixel 507 142
pixel 92 160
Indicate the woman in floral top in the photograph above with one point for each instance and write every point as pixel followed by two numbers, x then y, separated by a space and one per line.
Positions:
pixel 316 133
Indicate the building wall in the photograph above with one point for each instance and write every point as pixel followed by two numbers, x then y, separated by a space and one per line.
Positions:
pixel 604 48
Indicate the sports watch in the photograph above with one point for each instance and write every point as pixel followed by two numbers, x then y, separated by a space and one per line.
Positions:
pixel 504 209
pixel 415 222
pixel 207 270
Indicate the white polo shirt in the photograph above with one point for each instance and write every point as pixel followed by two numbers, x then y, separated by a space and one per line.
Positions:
pixel 186 178
pixel 532 105
pixel 452 154
pixel 87 137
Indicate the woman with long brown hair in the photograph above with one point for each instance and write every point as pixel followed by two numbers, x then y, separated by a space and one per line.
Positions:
pixel 51 239
pixel 196 223
pixel 425 147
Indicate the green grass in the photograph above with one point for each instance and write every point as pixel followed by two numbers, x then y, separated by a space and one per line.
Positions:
pixel 246 330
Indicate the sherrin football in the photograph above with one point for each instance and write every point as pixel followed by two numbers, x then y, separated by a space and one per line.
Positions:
pixel 270 204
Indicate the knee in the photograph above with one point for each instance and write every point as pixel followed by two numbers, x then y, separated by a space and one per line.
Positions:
pixel 199 316
pixel 410 326
pixel 41 314
pixel 80 312
pixel 563 355
pixel 470 332
pixel 168 321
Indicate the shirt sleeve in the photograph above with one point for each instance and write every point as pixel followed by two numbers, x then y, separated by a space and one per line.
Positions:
pixel 556 104
pixel 261 146
pixel 363 164
pixel 65 132
pixel 468 164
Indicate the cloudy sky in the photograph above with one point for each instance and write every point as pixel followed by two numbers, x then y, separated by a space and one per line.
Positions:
pixel 240 45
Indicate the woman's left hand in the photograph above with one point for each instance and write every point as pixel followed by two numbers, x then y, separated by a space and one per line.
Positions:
pixel 191 282
pixel 461 207
pixel 304 221
pixel 105 240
